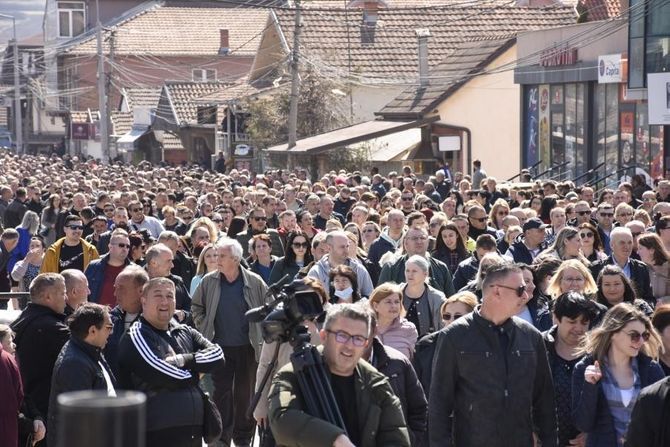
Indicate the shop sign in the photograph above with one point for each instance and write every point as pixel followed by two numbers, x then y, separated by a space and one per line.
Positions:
pixel 658 92
pixel 610 69
pixel 80 131
pixel 556 56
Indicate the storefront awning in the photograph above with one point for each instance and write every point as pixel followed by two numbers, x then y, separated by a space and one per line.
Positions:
pixel 350 135
pixel 128 140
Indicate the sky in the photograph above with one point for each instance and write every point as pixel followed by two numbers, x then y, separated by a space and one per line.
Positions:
pixel 28 15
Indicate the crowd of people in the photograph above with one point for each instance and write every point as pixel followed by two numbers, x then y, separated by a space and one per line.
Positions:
pixel 457 311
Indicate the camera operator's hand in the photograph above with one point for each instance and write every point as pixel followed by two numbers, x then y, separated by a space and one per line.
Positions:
pixel 39 431
pixel 343 441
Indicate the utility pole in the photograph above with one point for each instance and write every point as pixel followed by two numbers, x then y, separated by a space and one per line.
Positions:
pixel 18 119
pixel 108 105
pixel 102 96
pixel 295 84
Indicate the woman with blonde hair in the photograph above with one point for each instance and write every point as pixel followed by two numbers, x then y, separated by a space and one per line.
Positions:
pixel 499 211
pixel 207 263
pixel 620 359
pixel 454 307
pixel 393 329
pixel 206 223
pixel 572 276
pixel 567 245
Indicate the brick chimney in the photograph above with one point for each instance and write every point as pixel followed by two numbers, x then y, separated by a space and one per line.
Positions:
pixel 224 47
pixel 423 34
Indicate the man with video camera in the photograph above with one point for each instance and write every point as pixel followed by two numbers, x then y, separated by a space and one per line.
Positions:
pixel 371 412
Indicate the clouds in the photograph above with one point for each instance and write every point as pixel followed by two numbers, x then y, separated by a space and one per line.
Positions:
pixel 28 15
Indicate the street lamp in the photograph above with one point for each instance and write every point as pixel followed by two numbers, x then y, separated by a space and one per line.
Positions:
pixel 17 90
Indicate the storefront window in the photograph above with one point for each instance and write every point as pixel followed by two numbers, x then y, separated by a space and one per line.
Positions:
pixel 557 131
pixel 612 130
pixel 580 134
pixel 600 124
pixel 530 138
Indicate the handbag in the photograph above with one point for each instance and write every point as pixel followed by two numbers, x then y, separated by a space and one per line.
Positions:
pixel 212 426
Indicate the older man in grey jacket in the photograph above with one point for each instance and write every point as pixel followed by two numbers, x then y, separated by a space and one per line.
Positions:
pixel 218 309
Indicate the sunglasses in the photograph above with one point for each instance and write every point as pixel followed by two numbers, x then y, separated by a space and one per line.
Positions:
pixel 586 235
pixel 369 230
pixel 187 217
pixel 448 317
pixel 217 220
pixel 75 227
pixel 259 219
pixel 407 199
pixel 606 214
pixel 635 336
pixel 479 219
pixel 300 245
pixel 343 338
pixel 519 290
pixel 123 245
pixel 583 213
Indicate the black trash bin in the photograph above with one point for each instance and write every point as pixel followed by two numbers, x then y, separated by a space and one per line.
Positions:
pixel 91 418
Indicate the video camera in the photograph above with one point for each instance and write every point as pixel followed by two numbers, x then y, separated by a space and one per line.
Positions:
pixel 292 305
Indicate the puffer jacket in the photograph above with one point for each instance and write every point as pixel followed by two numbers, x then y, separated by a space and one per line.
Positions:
pixel 173 398
pixel 497 399
pixel 406 386
pixel 40 335
pixel 78 367
pixel 381 419
pixel 466 271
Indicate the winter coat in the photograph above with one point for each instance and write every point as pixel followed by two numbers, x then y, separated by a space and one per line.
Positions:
pixel 394 365
pixel 649 421
pixel 639 275
pixel 496 398
pixel 78 367
pixel 466 271
pixel 280 269
pixel 381 246
pixel 11 396
pixel 206 300
pixel 438 274
pixel 277 247
pixel 380 414
pixel 40 335
pixel 321 269
pixel 400 335
pixel 590 410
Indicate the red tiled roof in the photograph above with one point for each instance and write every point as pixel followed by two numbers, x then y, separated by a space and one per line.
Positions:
pixel 183 29
pixel 447 77
pixel 327 34
pixel 122 122
pixel 599 9
pixel 184 98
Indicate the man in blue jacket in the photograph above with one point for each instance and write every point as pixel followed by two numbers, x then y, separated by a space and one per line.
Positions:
pixel 102 272
pixel 528 246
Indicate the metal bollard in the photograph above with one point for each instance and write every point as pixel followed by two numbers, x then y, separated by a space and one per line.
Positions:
pixel 91 418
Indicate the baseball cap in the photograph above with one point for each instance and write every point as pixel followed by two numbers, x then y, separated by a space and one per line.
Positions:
pixel 534 223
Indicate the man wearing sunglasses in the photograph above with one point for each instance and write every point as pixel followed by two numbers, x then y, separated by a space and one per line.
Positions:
pixel 258 224
pixel 71 251
pixel 477 218
pixel 102 272
pixel 495 386
pixel 371 412
pixel 138 221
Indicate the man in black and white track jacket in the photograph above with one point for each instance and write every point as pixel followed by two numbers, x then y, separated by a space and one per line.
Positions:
pixel 163 359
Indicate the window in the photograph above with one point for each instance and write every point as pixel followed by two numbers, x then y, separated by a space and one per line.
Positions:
pixel 648 41
pixel 203 75
pixel 71 19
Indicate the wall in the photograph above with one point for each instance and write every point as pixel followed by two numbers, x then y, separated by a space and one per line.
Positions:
pixel 489 106
pixel 369 99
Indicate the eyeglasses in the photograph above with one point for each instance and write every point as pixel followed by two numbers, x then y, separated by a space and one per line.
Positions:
pixel 259 218
pixel 76 227
pixel 217 220
pixel 122 245
pixel 649 199
pixel 417 238
pixel 586 235
pixel 583 213
pixel 520 290
pixel 448 317
pixel 635 336
pixel 407 199
pixel 606 214
pixel 300 245
pixel 625 215
pixel 187 217
pixel 343 338
pixel 479 219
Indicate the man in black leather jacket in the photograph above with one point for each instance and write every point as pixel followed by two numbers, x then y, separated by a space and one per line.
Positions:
pixel 81 365
pixel 163 359
pixel 494 376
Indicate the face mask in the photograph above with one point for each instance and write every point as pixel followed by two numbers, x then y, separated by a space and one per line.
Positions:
pixel 344 294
